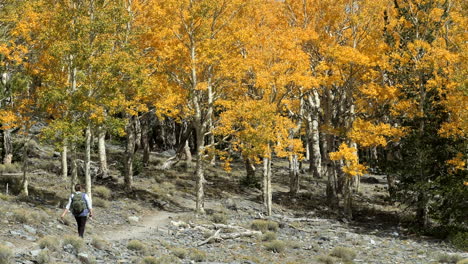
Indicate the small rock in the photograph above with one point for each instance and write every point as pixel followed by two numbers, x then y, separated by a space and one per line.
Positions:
pixel 133 219
pixel 83 257
pixel 8 244
pixel 30 238
pixel 15 233
pixel 30 229
pixel 35 253
pixel 69 248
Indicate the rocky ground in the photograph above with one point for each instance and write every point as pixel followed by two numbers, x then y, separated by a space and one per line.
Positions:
pixel 156 224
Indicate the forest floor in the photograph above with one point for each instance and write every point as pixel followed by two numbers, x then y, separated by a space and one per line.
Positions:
pixel 155 223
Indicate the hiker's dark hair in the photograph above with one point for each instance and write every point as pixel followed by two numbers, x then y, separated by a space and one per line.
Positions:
pixel 78 187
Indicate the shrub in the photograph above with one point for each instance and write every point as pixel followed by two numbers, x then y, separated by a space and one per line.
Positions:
pixel 103 192
pixel 264 225
pixel 219 218
pixel 460 240
pixel 294 244
pixel 276 246
pixel 4 197
pixel 6 255
pixel 448 258
pixel 343 253
pixel 197 255
pixel 22 216
pixel 100 202
pixel 98 243
pixel 77 242
pixel 10 168
pixel 136 245
pixel 149 260
pixel 326 259
pixel 161 260
pixel 180 252
pixel 43 257
pixel 50 242
pixel 269 236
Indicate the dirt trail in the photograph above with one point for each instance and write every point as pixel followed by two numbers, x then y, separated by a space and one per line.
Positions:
pixel 145 227
pixel 151 223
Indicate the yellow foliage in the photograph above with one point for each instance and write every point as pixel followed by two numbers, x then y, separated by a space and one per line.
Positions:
pixel 8 119
pixel 367 134
pixel 457 163
pixel 349 156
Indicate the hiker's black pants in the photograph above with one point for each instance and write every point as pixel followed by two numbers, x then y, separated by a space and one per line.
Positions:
pixel 81 222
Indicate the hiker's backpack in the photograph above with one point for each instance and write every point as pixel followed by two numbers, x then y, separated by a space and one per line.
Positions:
pixel 78 204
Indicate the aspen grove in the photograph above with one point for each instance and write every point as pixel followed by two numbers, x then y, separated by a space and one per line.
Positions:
pixel 337 88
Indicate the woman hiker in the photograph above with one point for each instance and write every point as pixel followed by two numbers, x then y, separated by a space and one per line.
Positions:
pixel 81 207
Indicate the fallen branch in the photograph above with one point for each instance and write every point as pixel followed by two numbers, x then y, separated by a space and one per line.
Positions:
pixel 217 237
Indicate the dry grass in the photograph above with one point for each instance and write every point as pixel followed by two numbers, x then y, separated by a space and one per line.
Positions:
pixel 264 225
pixel 180 252
pixel 343 253
pixel 99 243
pixel 103 192
pixel 6 255
pixel 50 242
pixel 219 218
pixel 137 246
pixel 197 255
pixel 269 236
pixel 77 242
pixel 448 258
pixel 276 246
pixel 98 202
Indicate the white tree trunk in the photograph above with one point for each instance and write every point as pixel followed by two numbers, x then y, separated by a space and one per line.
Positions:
pixel 200 201
pixel 129 154
pixel 102 152
pixel 74 170
pixel 293 175
pixel 267 192
pixel 315 160
pixel 64 155
pixel 88 161
pixel 7 147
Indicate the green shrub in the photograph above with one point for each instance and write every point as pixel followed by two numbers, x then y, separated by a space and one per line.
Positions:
pixel 98 202
pixel 276 246
pixel 326 259
pixel 136 245
pixel 43 257
pixel 50 242
pixel 269 236
pixel 448 258
pixel 102 192
pixel 180 252
pixel 98 243
pixel 264 225
pixel 77 242
pixel 6 255
pixel 460 240
pixel 219 218
pixel 5 197
pixel 343 253
pixel 197 255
